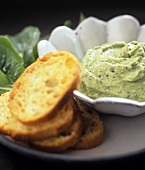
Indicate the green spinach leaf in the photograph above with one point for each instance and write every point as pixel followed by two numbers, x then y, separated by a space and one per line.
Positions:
pixel 25 42
pixel 11 64
pixel 5 83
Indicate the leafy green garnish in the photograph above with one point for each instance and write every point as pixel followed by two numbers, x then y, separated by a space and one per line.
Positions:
pixel 16 53
pixel 5 83
pixel 11 65
pixel 25 43
pixel 68 23
pixel 82 17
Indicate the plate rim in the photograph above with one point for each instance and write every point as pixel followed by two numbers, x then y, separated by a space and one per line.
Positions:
pixel 45 156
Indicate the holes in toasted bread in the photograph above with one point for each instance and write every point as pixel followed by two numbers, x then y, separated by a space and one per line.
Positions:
pixel 51 83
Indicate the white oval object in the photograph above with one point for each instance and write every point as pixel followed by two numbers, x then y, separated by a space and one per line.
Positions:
pixel 141 35
pixel 64 38
pixel 45 47
pixel 122 28
pixel 91 32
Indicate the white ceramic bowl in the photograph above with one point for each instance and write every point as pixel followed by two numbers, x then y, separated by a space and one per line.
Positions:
pixel 89 33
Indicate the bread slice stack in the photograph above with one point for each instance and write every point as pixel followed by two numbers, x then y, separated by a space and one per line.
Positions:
pixel 40 109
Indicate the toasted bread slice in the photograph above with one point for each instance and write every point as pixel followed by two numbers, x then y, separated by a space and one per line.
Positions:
pixel 66 139
pixel 44 87
pixel 93 131
pixel 17 130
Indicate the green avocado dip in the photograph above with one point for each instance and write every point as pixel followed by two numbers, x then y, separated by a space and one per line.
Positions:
pixel 114 70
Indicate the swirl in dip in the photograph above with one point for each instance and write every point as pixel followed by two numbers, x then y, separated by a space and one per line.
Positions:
pixel 114 70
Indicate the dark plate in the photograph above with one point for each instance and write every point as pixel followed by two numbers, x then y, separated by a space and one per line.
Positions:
pixel 123 138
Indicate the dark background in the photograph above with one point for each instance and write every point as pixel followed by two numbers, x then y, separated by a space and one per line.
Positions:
pixel 15 15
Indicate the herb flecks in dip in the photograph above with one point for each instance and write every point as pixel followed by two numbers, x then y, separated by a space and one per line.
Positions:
pixel 114 70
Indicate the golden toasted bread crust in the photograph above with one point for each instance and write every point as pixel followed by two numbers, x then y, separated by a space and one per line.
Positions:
pixel 93 131
pixel 5 118
pixel 44 86
pixel 17 130
pixel 40 109
pixel 64 140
